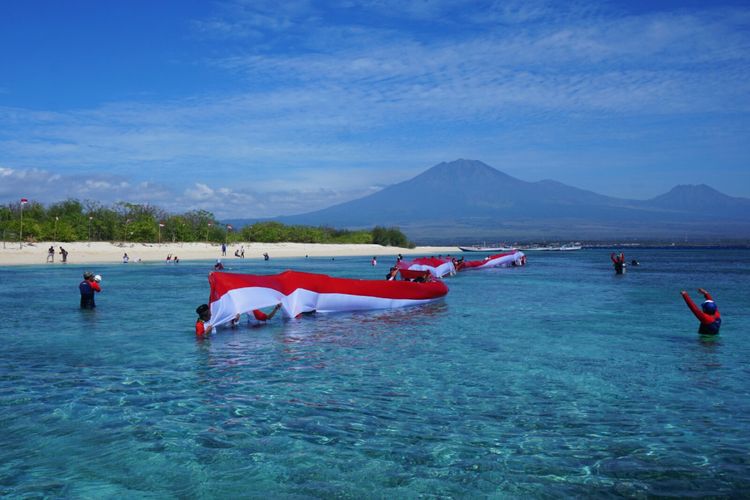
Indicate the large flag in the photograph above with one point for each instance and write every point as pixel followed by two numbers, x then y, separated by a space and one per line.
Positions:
pixel 298 292
pixel 437 267
pixel 507 259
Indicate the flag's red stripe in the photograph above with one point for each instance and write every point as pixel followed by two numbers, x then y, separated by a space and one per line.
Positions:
pixel 289 281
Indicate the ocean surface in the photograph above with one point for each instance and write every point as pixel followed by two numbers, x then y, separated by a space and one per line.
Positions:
pixel 554 380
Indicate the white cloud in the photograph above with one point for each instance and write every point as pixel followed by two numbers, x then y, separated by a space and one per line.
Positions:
pixel 223 201
pixel 326 106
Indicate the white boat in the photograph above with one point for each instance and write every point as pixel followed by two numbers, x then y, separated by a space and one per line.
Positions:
pixel 550 248
pixel 480 248
pixel 571 246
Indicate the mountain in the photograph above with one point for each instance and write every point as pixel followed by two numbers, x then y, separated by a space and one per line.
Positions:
pixel 701 198
pixel 467 199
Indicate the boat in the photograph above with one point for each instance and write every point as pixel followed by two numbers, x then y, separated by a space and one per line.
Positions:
pixel 553 248
pixel 422 266
pixel 299 293
pixel 571 246
pixel 507 259
pixel 483 248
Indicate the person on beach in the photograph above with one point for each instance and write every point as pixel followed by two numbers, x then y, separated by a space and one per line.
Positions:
pixel 51 254
pixel 708 314
pixel 88 287
pixel 259 317
pixel 223 249
pixel 266 257
pixel 64 254
pixel 374 261
pixel 169 258
pixel 125 258
pixel 218 266
pixel 618 261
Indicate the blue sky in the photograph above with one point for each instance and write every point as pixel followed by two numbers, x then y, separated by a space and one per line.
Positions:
pixel 257 108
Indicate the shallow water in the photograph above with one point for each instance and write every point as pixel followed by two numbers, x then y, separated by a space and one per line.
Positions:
pixel 556 379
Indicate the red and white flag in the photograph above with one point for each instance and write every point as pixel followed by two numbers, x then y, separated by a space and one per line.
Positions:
pixel 229 226
pixel 298 292
pixel 24 201
pixel 438 267
pixel 514 258
pixel 161 224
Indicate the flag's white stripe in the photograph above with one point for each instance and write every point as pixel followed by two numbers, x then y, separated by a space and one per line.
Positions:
pixel 438 272
pixel 245 300
pixel 504 261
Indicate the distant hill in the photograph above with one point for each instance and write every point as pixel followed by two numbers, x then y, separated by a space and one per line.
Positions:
pixel 467 200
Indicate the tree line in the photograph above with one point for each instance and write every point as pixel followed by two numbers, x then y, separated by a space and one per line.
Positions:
pixel 73 220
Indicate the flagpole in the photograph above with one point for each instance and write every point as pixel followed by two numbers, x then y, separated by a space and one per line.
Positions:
pixel 20 241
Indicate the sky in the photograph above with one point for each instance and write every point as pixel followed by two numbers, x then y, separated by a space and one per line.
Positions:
pixel 255 108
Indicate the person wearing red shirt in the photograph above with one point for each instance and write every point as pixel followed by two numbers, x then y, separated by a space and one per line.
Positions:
pixel 204 314
pixel 88 287
pixel 618 261
pixel 708 314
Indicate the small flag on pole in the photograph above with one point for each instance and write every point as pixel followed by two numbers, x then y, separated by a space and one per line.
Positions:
pixel 161 224
pixel 229 226
pixel 24 201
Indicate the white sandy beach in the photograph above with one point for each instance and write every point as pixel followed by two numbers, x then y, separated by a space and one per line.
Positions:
pixel 100 251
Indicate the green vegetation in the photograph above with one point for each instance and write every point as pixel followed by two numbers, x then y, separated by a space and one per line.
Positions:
pixel 72 220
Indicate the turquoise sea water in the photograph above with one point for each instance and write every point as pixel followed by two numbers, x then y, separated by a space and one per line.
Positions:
pixel 557 379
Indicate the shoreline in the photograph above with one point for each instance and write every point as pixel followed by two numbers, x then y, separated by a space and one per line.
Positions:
pixel 107 252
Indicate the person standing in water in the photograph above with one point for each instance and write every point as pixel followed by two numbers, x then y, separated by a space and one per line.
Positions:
pixel 204 314
pixel 708 314
pixel 618 261
pixel 88 287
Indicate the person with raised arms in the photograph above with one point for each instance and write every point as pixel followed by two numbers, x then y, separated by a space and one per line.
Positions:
pixel 708 314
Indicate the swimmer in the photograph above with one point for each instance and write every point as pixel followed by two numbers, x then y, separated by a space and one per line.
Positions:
pixel 708 314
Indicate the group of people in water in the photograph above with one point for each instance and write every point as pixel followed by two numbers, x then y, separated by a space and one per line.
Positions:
pixel 708 313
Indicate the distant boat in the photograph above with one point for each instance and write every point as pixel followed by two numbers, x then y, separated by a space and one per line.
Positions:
pixel 570 246
pixel 483 248
pixel 554 248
